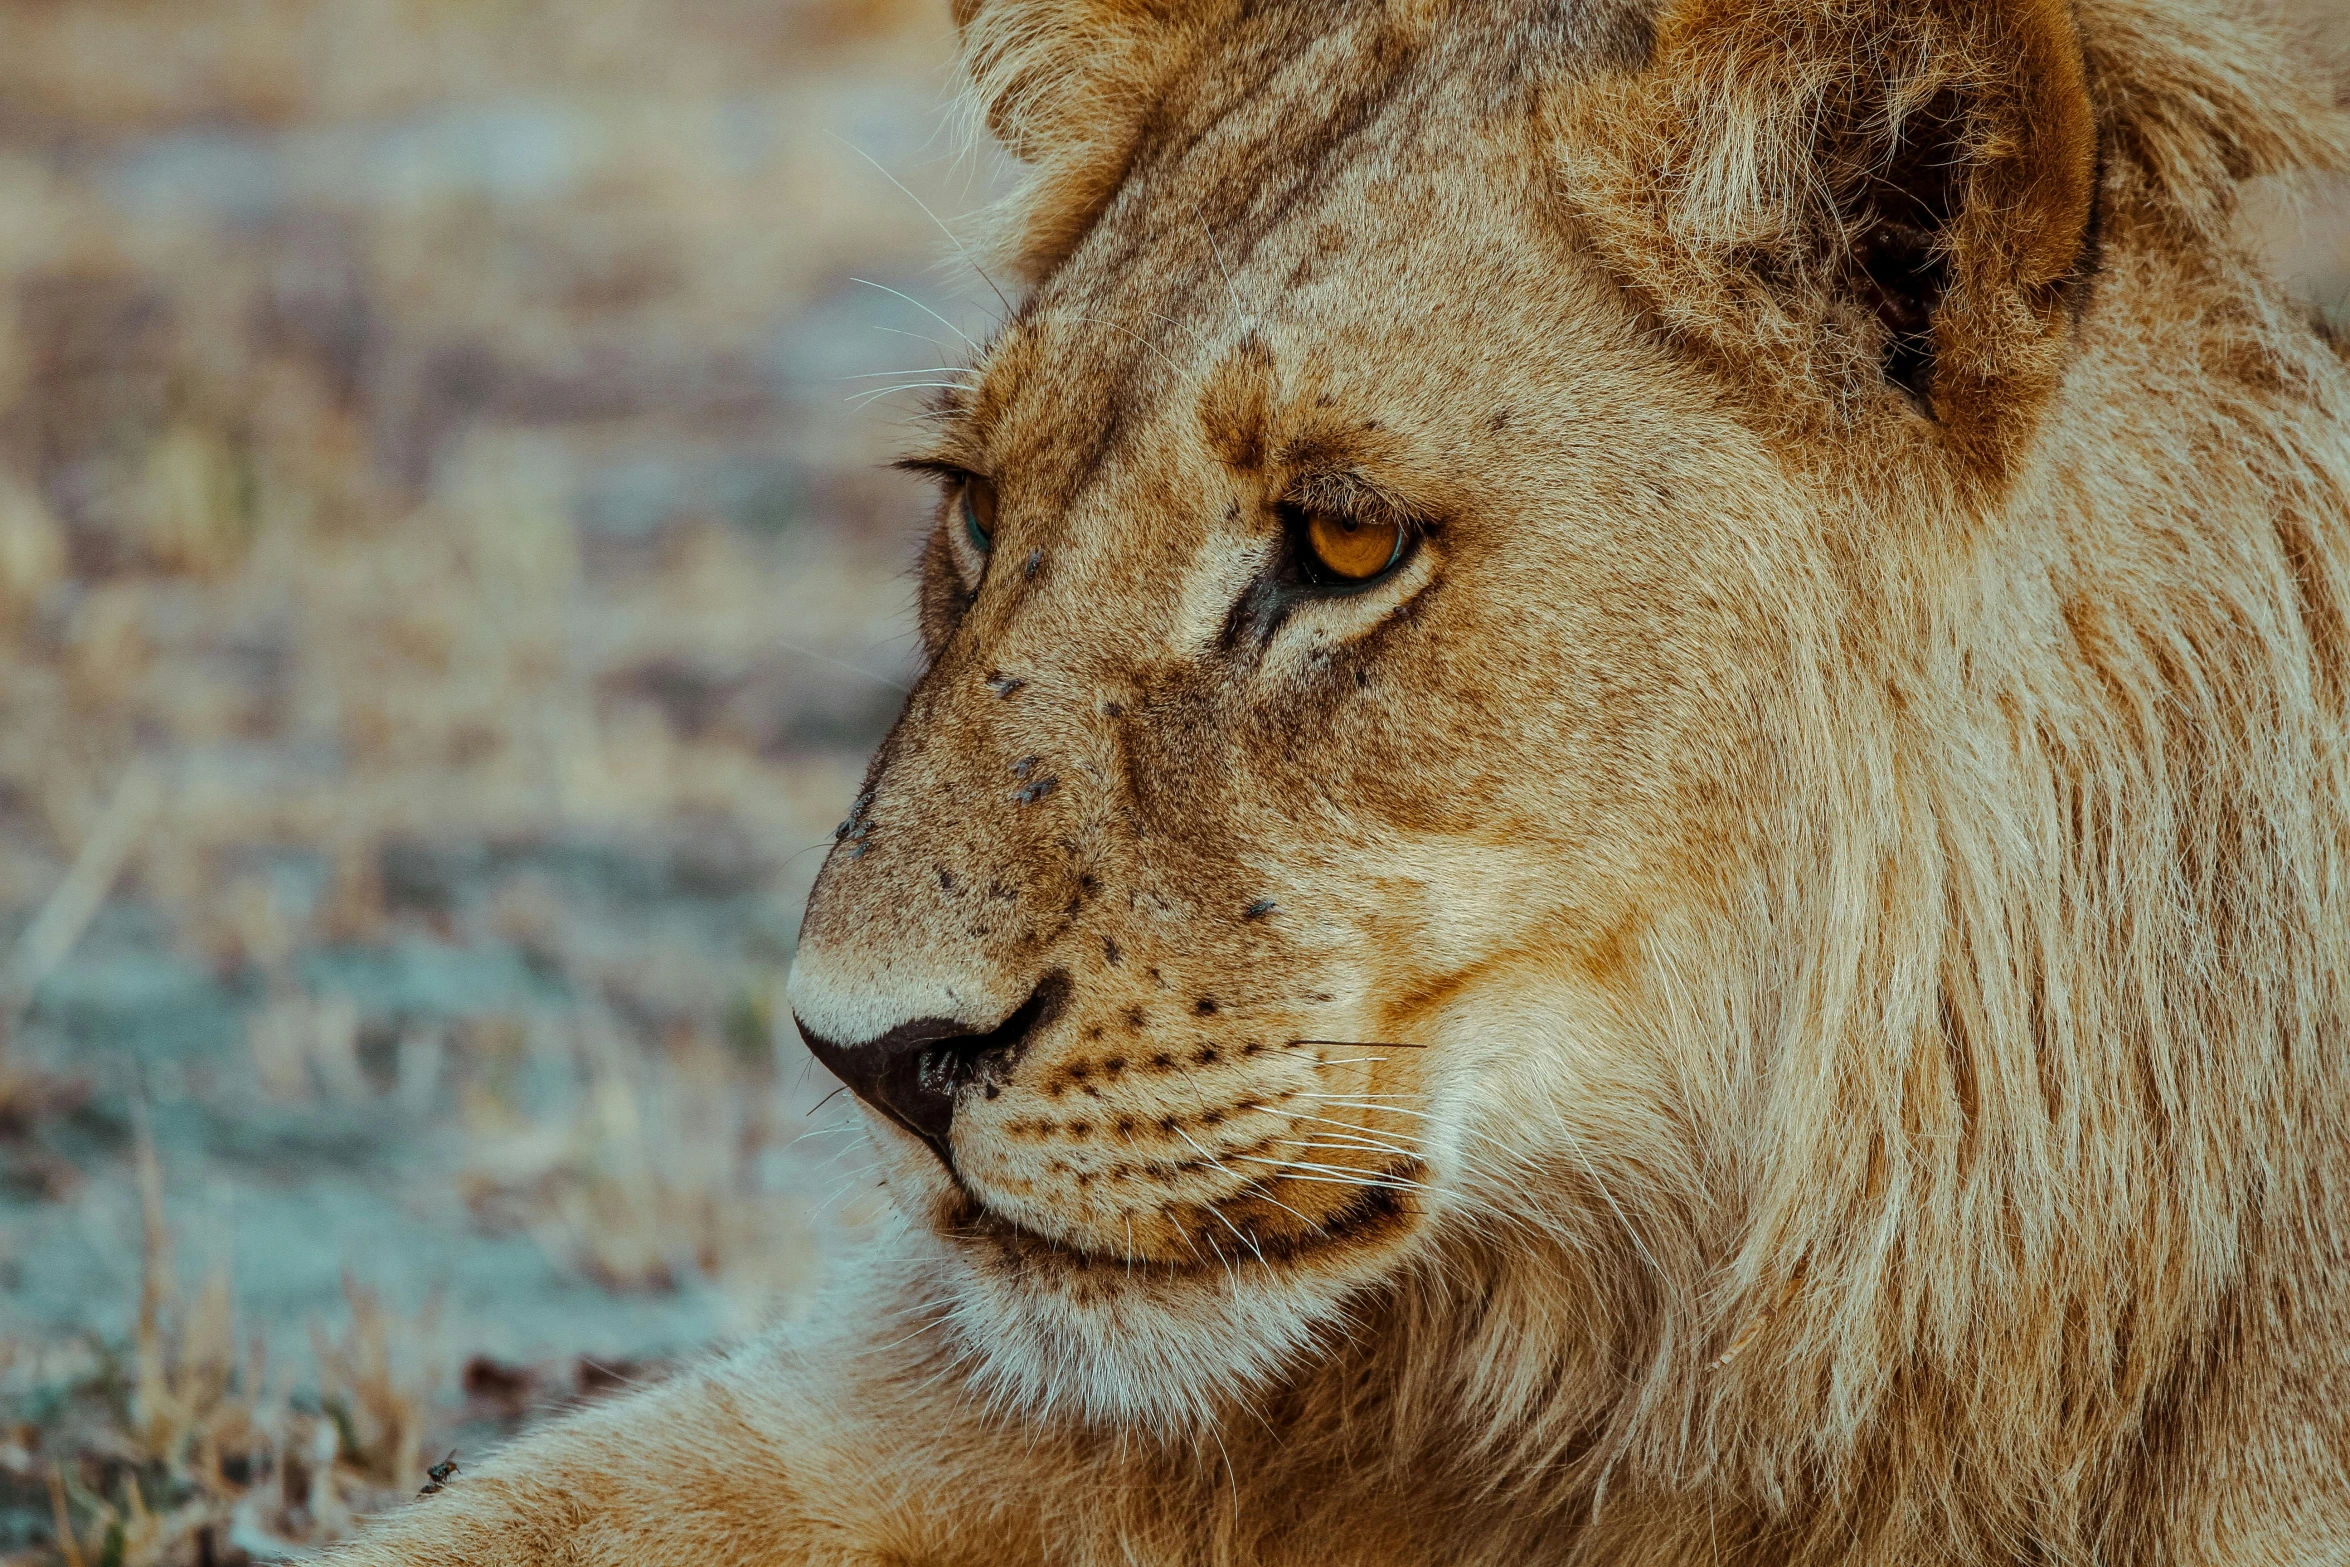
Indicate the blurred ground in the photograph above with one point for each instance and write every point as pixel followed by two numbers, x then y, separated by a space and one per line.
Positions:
pixel 446 597
pixel 447 593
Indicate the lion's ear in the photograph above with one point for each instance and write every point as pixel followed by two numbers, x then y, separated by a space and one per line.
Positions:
pixel 1066 86
pixel 1868 202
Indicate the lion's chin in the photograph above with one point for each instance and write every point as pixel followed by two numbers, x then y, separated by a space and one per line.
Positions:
pixel 1159 1346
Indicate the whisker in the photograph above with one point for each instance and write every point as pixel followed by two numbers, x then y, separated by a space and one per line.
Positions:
pixel 1349 1145
pixel 1400 1182
pixel 1129 332
pixel 862 398
pixel 789 646
pixel 1357 1127
pixel 1246 1240
pixel 1196 335
pixel 1509 1155
pixel 1336 1175
pixel 952 237
pixel 1215 1161
pixel 1294 1172
pixel 1194 1245
pixel 1360 1044
pixel 1253 1193
pixel 968 1353
pixel 842 1187
pixel 878 375
pixel 1364 1139
pixel 1358 1185
pixel 925 309
pixel 1218 252
pixel 1348 1148
pixel 840 1193
pixel 1357 1142
pixel 919 337
pixel 1370 1102
pixel 940 1320
pixel 1353 1129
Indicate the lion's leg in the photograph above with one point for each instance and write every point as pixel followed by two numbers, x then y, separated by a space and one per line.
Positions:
pixel 777 1456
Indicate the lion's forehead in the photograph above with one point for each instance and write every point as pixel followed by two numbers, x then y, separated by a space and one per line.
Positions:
pixel 1379 226
pixel 1458 345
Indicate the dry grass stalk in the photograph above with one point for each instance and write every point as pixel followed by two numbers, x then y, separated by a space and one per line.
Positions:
pixel 61 921
pixel 651 1177
pixel 205 1460
pixel 337 517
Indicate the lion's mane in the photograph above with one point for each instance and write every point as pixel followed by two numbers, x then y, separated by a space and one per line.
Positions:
pixel 2015 1190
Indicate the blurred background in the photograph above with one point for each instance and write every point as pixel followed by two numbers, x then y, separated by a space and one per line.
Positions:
pixel 448 590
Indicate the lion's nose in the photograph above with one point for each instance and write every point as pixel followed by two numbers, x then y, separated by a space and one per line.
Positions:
pixel 915 1073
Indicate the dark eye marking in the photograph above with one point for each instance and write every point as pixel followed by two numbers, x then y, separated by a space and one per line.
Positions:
pixel 1256 614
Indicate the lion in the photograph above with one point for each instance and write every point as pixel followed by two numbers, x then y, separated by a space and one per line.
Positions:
pixel 1627 838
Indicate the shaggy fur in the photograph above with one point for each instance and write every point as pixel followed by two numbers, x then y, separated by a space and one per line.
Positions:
pixel 1773 993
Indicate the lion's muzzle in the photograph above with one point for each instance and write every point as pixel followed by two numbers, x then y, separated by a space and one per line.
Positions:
pixel 916 1072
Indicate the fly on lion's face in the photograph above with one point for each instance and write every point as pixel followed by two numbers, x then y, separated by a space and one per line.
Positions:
pixel 439 1475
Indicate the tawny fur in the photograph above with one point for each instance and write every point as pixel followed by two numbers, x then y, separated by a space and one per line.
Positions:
pixel 1853 881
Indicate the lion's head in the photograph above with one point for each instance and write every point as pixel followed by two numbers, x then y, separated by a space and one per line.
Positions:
pixel 1582 668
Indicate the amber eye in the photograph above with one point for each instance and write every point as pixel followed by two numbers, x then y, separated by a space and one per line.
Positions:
pixel 978 508
pixel 1351 548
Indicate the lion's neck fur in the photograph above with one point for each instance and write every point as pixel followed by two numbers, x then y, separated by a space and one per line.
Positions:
pixel 2032 1033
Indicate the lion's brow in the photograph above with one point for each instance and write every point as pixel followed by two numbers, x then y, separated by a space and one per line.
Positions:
pixel 1328 479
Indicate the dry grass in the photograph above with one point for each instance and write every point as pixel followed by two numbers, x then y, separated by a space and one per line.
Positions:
pixel 434 543
pixel 193 1452
pixel 649 1176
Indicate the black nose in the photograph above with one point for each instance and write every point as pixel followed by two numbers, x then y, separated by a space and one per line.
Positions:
pixel 914 1073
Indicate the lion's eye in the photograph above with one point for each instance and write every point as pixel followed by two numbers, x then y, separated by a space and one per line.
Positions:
pixel 978 509
pixel 1351 548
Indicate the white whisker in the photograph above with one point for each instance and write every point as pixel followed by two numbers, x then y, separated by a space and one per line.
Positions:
pixel 952 237
pixel 1218 252
pixel 1351 1145
pixel 1260 1195
pixel 878 375
pixel 925 309
pixel 919 337
pixel 872 392
pixel 1247 1240
pixel 837 663
pixel 1334 1174
pixel 937 1321
pixel 1356 1128
pixel 1129 332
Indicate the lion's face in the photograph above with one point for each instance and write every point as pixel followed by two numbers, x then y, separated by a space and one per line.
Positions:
pixel 1349 684
pixel 1353 634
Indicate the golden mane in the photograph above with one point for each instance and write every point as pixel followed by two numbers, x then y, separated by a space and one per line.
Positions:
pixel 2028 1129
